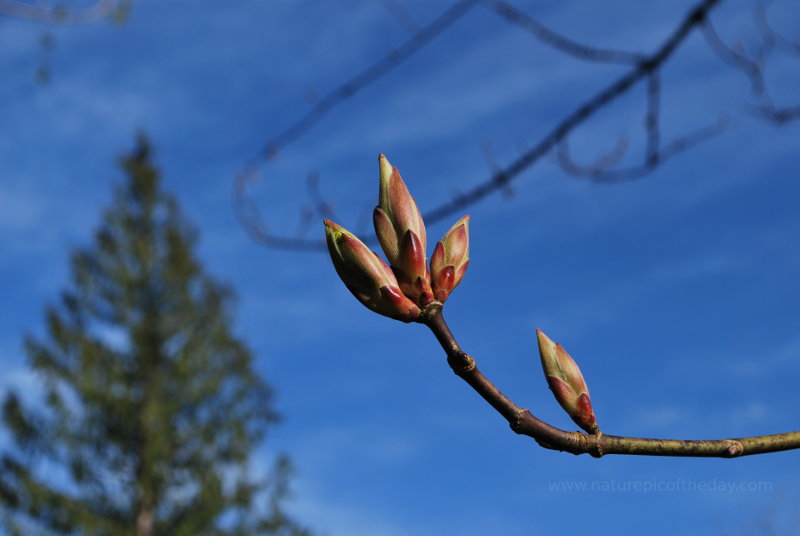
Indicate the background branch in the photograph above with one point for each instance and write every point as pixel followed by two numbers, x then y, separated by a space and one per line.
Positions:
pixel 57 15
pixel 603 173
pixel 750 67
pixel 641 67
pixel 352 86
pixel 560 42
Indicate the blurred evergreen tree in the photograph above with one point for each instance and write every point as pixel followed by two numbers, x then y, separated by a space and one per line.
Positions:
pixel 151 407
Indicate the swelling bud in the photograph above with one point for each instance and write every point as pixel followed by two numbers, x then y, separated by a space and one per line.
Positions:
pixel 566 381
pixel 366 276
pixel 401 233
pixel 450 259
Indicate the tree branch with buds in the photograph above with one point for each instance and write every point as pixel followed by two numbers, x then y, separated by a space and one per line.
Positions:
pixel 406 290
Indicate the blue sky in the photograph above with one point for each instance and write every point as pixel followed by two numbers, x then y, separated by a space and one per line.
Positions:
pixel 677 294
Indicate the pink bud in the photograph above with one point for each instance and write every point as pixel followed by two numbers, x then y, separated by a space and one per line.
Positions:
pixel 450 259
pixel 395 200
pixel 401 233
pixel 411 271
pixel 387 236
pixel 367 277
pixel 566 381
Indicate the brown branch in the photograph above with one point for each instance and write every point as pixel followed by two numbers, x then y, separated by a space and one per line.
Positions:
pixel 601 172
pixel 401 15
pixel 352 86
pixel 524 422
pixel 654 61
pixel 560 42
pixel 250 216
pixel 246 211
pixel 779 115
pixel 770 35
pixel 492 164
pixel 751 68
pixel 652 120
pixel 655 154
pixel 323 208
pixel 57 15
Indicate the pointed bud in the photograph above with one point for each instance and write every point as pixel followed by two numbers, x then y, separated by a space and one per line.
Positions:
pixel 401 233
pixel 366 276
pixel 450 259
pixel 566 381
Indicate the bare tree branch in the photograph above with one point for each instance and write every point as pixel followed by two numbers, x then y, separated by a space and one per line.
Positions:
pixel 57 15
pixel 559 42
pixel 779 115
pixel 598 444
pixel 402 16
pixel 322 208
pixel 249 215
pixel 751 68
pixel 583 112
pixel 651 120
pixel 247 212
pixel 601 172
pixel 780 41
pixel 492 164
pixel 645 68
pixel 352 86
pixel 319 208
pixel 641 68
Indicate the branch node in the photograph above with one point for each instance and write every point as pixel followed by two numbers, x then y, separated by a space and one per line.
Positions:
pixel 596 444
pixel 430 311
pixel 516 422
pixel 734 450
pixel 461 363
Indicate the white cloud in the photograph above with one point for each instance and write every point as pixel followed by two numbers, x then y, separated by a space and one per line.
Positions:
pixel 330 516
pixel 752 412
pixel 771 363
pixel 659 417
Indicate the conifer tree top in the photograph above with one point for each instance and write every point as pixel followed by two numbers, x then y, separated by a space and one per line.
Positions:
pixel 152 408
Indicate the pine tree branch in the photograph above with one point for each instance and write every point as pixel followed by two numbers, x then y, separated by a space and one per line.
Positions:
pixel 524 422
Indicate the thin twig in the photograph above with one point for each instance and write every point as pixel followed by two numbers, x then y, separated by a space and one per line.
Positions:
pixel 401 15
pixel 250 217
pixel 323 208
pixel 749 67
pixel 779 115
pixel 57 15
pixel 770 35
pixel 560 42
pixel 606 175
pixel 651 120
pixel 351 87
pixel 524 422
pixel 694 18
pixel 247 212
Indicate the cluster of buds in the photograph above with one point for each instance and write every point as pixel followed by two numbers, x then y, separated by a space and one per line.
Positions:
pixel 566 381
pixel 403 288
